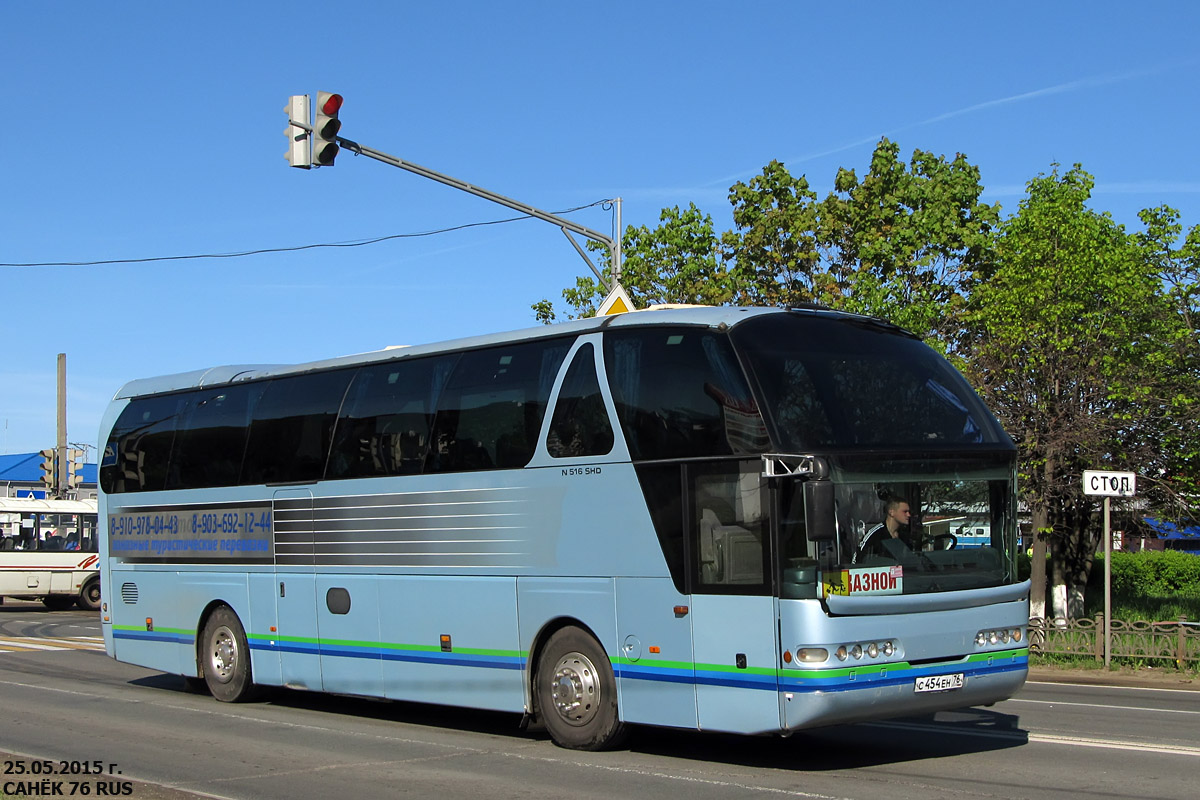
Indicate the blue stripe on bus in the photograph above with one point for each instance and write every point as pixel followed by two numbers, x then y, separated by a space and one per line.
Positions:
pixel 149 636
pixel 390 654
pixel 784 683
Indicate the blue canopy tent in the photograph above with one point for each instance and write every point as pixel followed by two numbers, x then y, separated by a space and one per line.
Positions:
pixel 1175 537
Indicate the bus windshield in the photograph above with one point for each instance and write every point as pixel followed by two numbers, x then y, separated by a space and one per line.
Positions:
pixel 905 526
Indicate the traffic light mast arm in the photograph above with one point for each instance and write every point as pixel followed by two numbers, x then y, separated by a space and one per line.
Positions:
pixel 567 226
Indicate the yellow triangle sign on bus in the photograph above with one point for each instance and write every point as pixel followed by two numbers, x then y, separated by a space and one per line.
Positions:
pixel 617 302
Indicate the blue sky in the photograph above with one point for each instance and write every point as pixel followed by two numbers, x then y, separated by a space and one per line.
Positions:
pixel 145 129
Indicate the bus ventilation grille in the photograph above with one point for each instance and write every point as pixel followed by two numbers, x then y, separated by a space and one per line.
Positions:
pixel 129 593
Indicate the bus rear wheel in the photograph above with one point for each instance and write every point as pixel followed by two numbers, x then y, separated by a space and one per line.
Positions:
pixel 225 658
pixel 577 693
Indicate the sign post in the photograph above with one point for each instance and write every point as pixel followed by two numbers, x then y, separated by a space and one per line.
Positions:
pixel 1108 485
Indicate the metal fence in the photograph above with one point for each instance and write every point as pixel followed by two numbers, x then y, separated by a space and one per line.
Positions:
pixel 1176 642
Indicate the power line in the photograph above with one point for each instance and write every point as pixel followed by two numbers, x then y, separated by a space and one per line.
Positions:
pixel 244 253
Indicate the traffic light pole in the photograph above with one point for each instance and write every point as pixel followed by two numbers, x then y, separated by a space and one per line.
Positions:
pixel 567 226
pixel 328 105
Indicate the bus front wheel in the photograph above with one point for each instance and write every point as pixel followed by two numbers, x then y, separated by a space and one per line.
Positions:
pixel 577 693
pixel 225 658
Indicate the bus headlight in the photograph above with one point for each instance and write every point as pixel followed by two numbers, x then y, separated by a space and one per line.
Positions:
pixel 812 655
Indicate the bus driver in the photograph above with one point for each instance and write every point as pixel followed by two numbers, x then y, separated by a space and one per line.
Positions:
pixel 890 537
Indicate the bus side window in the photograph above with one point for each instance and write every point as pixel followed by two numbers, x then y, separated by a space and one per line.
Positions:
pixel 212 437
pixel 141 443
pixel 387 419
pixel 662 486
pixel 293 427
pixel 492 409
pixel 580 425
pixel 680 393
pixel 730 552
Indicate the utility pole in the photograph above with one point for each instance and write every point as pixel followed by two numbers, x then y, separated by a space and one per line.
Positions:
pixel 61 446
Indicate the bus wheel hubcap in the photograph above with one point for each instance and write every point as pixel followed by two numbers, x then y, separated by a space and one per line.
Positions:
pixel 223 657
pixel 576 689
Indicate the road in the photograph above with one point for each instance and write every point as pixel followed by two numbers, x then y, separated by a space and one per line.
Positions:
pixel 1051 741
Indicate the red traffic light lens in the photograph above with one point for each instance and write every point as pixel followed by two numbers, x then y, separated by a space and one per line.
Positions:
pixel 332 104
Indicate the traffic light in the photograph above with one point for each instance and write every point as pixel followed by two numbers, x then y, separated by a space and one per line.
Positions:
pixel 299 153
pixel 49 469
pixel 325 129
pixel 74 468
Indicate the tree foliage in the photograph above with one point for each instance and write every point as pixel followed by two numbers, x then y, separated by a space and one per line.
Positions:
pixel 901 243
pixel 775 246
pixel 1075 344
pixel 906 239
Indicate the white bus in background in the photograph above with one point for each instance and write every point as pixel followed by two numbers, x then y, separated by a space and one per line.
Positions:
pixel 48 552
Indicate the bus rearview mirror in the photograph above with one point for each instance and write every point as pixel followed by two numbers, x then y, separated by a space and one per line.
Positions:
pixel 818 511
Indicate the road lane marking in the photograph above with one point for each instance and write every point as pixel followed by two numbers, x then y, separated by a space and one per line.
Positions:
pixel 1044 738
pixel 1114 744
pixel 1101 705
pixel 18 644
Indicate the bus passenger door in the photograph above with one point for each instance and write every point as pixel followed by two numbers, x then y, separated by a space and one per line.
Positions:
pixel 295 595
pixel 735 632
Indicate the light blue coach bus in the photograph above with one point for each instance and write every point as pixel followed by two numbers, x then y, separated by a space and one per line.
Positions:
pixel 655 518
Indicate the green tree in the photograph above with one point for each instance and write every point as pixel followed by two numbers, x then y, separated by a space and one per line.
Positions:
pixel 901 243
pixel 1076 345
pixel 1171 473
pixel 775 246
pixel 904 242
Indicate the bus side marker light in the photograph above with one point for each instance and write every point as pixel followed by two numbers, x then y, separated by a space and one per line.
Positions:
pixel 149 623
pixel 655 649
pixel 274 629
pixel 787 656
pixel 446 646
pixel 681 611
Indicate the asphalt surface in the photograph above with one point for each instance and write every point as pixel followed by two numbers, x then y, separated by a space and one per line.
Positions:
pixel 1139 678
